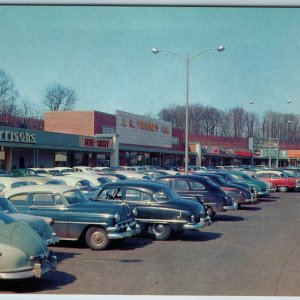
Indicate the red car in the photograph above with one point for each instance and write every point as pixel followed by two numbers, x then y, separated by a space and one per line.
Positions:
pixel 280 180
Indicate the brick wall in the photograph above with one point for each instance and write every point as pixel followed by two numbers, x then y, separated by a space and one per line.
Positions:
pixel 73 122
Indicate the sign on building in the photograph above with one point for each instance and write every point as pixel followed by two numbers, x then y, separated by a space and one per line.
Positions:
pixel 139 130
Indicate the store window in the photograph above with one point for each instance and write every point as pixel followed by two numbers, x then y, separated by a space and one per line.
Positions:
pixel 108 130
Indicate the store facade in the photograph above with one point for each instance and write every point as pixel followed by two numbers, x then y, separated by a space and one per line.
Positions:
pixel 94 138
pixel 23 148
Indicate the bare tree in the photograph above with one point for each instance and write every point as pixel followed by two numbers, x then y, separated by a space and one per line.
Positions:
pixel 58 97
pixel 8 96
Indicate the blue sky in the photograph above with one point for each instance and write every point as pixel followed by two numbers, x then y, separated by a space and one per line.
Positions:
pixel 104 54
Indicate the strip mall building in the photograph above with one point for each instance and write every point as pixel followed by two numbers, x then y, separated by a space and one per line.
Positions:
pixel 95 138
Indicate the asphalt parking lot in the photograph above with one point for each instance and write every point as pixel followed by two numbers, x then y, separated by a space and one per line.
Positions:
pixel 254 251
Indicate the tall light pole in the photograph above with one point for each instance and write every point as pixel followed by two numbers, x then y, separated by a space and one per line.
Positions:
pixel 187 59
pixel 270 134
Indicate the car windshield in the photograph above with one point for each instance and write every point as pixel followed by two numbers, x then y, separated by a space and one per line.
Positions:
pixel 241 177
pixel 74 197
pixel 166 195
pixel 6 206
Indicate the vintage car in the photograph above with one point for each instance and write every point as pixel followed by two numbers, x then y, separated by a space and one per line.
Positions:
pixel 85 185
pixel 260 188
pixel 75 216
pixel 7 183
pixel 214 198
pixel 279 179
pixel 23 254
pixel 41 225
pixel 159 210
pixel 238 193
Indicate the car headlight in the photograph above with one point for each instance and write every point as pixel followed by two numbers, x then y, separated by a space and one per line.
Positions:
pixel 117 217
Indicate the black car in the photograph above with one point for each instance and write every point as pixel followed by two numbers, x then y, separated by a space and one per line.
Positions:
pixel 214 198
pixel 158 209
pixel 234 190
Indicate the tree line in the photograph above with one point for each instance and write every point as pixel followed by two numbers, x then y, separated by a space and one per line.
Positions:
pixel 204 120
pixel 236 122
pixel 15 107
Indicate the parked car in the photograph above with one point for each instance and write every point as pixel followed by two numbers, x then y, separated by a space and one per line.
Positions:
pixel 240 194
pixel 41 225
pixel 23 253
pixel 7 183
pixel 260 188
pixel 159 210
pixel 214 198
pixel 279 179
pixel 15 172
pixel 75 216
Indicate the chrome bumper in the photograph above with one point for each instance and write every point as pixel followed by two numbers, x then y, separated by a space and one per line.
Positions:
pixel 53 240
pixel 38 269
pixel 202 223
pixel 253 199
pixel 112 234
pixel 234 206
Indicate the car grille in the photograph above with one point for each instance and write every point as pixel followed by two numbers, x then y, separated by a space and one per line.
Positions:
pixel 122 226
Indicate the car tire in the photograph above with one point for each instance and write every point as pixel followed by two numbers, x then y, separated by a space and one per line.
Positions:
pixel 96 238
pixel 282 189
pixel 161 231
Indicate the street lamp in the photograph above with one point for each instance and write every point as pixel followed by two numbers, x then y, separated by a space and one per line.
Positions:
pixel 187 59
pixel 269 134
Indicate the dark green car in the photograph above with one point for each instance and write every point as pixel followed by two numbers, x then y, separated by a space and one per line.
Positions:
pixel 75 217
pixel 158 209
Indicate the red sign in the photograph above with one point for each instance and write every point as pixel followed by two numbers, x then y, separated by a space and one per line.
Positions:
pixel 95 143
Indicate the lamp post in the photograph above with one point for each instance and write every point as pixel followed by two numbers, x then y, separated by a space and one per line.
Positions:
pixel 269 134
pixel 187 59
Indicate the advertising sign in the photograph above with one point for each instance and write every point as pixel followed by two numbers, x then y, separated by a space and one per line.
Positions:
pixel 140 130
pixel 261 147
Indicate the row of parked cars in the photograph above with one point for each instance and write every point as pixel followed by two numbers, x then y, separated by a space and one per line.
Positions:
pixel 38 210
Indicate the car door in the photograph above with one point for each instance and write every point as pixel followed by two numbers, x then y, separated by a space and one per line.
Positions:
pixel 51 205
pixel 138 199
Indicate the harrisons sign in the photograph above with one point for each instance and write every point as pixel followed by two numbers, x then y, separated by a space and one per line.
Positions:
pixel 17 136
pixel 139 130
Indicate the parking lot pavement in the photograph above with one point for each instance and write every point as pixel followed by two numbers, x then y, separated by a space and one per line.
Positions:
pixel 254 251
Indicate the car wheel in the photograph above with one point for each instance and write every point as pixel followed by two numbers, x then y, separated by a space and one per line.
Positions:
pixel 282 188
pixel 96 238
pixel 161 231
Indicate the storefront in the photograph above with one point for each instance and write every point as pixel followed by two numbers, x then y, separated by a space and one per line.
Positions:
pixel 23 148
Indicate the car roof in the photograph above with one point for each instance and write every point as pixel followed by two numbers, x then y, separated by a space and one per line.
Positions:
pixel 40 188
pixel 147 184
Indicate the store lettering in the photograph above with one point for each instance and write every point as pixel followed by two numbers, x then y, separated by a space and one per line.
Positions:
pixel 96 143
pixel 17 137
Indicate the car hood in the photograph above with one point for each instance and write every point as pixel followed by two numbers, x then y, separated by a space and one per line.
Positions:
pixel 105 207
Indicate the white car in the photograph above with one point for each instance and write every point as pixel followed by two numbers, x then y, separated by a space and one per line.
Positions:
pixel 8 183
pixel 84 170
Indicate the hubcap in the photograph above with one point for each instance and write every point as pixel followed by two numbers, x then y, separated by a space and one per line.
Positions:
pixel 97 238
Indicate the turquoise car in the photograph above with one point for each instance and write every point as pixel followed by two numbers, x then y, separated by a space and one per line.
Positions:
pixel 23 253
pixel 42 226
pixel 259 187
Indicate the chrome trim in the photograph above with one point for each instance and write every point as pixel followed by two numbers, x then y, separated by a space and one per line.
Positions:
pixel 37 270
pixel 231 207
